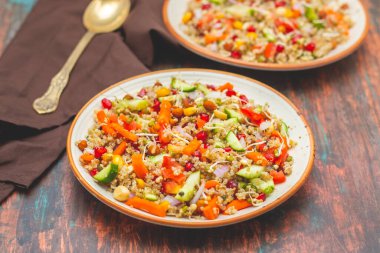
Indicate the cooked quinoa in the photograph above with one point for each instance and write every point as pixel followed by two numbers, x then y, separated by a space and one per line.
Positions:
pixel 187 150
pixel 259 31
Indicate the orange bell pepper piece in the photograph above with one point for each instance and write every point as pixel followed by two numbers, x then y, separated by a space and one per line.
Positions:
pixel 101 116
pixel 238 204
pixel 226 86
pixel 211 211
pixel 138 166
pixel 270 50
pixel 257 156
pixel 192 147
pixel 149 206
pixel 109 130
pixel 211 183
pixel 278 176
pixel 168 174
pixel 120 149
pixel 123 132
pixel 112 118
pixel 171 187
pixel 200 123
pixel 165 114
pixel 87 158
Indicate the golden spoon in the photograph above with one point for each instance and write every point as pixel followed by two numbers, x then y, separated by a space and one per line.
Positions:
pixel 100 16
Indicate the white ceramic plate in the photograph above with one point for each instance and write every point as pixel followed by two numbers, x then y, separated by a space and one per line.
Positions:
pixel 303 153
pixel 173 11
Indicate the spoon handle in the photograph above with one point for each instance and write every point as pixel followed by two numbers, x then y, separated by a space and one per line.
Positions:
pixel 48 102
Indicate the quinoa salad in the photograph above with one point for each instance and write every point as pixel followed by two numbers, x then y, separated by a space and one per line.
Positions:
pixel 268 31
pixel 189 150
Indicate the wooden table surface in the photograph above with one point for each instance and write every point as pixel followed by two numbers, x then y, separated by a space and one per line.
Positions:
pixel 337 210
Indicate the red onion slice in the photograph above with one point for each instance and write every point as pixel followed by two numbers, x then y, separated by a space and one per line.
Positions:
pixel 198 194
pixel 219 172
pixel 173 201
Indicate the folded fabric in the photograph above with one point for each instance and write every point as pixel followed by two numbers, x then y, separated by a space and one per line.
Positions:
pixel 30 143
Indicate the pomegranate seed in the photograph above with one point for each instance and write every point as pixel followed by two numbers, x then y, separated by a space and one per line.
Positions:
pixel 206 6
pixel 310 47
pixel 239 136
pixel 93 172
pixel 231 93
pixel 279 3
pixel 188 166
pixel 174 92
pixel 106 103
pixel 204 117
pixel 202 136
pixel 142 92
pixel 156 105
pixel 262 196
pixel 234 37
pixel 205 145
pixel 251 29
pixel 231 184
pixel 197 153
pixel 99 151
pixel 269 156
pixel 236 54
pixel 244 100
pixel 228 149
pixel 211 87
pixel 280 48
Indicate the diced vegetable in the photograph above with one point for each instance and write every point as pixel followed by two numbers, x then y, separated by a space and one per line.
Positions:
pixel 138 166
pixel 157 159
pixel 101 116
pixel 278 176
pixel 211 183
pixel 202 88
pixel 187 191
pixel 107 174
pixel 240 10
pixel 234 142
pixel 120 149
pixel 234 114
pixel 192 147
pixel 123 132
pixel 266 187
pixel 253 171
pixel 211 211
pixel 149 206
pixel 258 158
pixel 237 204
pixel 182 85
pixel 150 196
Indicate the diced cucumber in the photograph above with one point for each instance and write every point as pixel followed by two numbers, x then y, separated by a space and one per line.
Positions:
pixel 218 2
pixel 136 104
pixel 234 114
pixel 310 13
pixel 107 174
pixel 239 10
pixel 187 191
pixel 234 142
pixel 319 24
pixel 266 187
pixel 242 185
pixel 170 98
pixel 150 196
pixel 157 159
pixel 182 85
pixel 219 144
pixel 268 34
pixel 251 172
pixel 202 88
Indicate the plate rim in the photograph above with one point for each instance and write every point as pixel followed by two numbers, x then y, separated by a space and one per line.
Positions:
pixel 192 223
pixel 203 52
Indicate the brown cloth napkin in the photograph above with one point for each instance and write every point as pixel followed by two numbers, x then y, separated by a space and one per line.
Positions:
pixel 30 143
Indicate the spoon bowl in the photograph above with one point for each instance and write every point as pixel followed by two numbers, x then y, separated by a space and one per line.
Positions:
pixel 100 16
pixel 106 15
